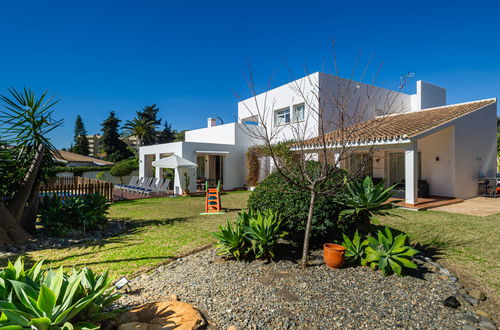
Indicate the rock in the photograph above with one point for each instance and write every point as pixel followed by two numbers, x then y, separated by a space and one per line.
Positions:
pixel 469 327
pixel 12 249
pixel 432 268
pixel 482 313
pixel 470 319
pixel 479 295
pixel 232 327
pixel 173 314
pixel 473 301
pixel 445 271
pixel 487 325
pixel 452 302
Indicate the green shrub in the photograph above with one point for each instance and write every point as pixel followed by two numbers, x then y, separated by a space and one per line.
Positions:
pixel 59 217
pixel 386 253
pixel 53 299
pixel 366 200
pixel 277 194
pixel 120 170
pixel 253 235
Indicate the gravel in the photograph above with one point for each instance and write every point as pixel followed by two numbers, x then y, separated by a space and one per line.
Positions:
pixel 280 295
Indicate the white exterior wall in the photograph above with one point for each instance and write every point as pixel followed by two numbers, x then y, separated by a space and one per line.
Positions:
pixel 428 96
pixel 475 149
pixel 364 101
pixel 224 134
pixel 438 162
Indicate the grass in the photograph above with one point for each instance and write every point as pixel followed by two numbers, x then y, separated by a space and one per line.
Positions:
pixel 469 245
pixel 165 228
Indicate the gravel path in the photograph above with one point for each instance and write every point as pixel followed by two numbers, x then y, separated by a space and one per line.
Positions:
pixel 280 295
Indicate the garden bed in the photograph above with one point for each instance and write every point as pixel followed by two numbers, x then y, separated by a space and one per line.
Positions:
pixel 279 294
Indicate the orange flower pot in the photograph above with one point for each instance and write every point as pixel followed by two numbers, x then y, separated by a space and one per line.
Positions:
pixel 333 255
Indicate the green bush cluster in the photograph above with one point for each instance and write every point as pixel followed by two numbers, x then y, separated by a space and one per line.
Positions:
pixel 53 299
pixel 254 235
pixel 277 194
pixel 59 217
pixel 386 253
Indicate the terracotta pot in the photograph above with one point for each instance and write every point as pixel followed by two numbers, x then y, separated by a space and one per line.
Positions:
pixel 333 255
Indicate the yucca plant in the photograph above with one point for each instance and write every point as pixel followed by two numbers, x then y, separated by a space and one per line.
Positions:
pixel 355 249
pixel 264 229
pixel 53 299
pixel 389 254
pixel 366 200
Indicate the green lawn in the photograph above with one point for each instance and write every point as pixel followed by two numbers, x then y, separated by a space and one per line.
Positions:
pixel 166 227
pixel 468 245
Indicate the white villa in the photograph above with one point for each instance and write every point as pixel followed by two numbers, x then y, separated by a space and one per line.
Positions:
pixel 429 147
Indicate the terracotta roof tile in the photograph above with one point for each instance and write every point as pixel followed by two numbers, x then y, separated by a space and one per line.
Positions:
pixel 72 157
pixel 401 126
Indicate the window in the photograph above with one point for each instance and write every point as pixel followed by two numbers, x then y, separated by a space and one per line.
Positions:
pixel 298 112
pixel 282 116
pixel 361 164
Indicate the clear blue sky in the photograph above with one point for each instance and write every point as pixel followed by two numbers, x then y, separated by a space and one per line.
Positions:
pixel 190 57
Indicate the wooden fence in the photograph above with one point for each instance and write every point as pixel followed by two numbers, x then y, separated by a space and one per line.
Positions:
pixel 76 186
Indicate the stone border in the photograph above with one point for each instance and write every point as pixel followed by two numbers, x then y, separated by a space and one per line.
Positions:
pixel 468 298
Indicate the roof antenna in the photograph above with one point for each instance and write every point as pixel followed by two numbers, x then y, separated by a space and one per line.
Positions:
pixel 403 80
pixel 221 121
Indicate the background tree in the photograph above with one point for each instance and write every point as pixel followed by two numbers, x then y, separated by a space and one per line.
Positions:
pixel 138 127
pixel 24 124
pixel 180 136
pixel 81 143
pixel 167 134
pixel 111 144
pixel 150 114
pixel 346 106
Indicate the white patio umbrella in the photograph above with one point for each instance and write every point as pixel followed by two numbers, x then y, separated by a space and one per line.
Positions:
pixel 174 161
pixel 177 163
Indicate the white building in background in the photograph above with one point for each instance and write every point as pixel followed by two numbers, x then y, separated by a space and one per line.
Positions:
pixel 430 148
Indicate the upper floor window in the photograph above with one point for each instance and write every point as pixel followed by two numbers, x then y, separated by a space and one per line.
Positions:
pixel 298 112
pixel 282 116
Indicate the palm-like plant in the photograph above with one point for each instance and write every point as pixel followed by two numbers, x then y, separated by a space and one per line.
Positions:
pixel 138 127
pixel 24 124
pixel 366 200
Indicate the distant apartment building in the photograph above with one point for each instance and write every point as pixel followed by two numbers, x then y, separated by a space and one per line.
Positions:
pixel 94 143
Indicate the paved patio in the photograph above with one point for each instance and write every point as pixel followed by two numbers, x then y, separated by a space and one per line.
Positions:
pixel 479 206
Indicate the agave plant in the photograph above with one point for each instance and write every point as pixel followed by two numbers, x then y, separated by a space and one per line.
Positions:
pixel 355 249
pixel 389 254
pixel 53 299
pixel 264 229
pixel 231 240
pixel 366 200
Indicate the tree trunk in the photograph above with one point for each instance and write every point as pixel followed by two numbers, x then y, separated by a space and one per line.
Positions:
pixel 28 219
pixel 10 231
pixel 307 234
pixel 18 203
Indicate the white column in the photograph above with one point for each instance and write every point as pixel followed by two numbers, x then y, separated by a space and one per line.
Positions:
pixel 142 165
pixel 157 169
pixel 411 173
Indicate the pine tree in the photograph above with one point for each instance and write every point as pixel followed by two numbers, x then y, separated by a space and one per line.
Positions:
pixel 111 144
pixel 150 114
pixel 81 143
pixel 167 134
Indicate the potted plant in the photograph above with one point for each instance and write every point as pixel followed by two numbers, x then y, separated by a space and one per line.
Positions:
pixel 333 255
pixel 185 192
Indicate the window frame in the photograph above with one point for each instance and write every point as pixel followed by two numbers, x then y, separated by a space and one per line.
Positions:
pixel 276 122
pixel 295 106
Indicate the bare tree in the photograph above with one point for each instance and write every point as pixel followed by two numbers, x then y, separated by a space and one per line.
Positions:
pixel 340 107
